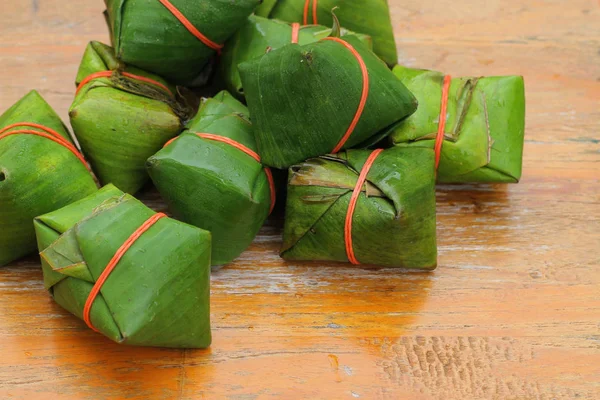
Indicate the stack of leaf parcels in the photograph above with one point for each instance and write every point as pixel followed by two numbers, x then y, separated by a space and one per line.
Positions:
pixel 306 89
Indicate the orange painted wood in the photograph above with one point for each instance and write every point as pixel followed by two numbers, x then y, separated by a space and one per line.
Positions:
pixel 512 312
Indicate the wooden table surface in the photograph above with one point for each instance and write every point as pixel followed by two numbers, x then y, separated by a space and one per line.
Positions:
pixel 512 312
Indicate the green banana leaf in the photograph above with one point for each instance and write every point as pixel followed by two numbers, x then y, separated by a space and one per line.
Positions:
pixel 371 17
pixel 394 223
pixel 37 175
pixel 265 8
pixel 214 185
pixel 485 125
pixel 302 100
pixel 259 35
pixel 120 121
pixel 146 34
pixel 157 295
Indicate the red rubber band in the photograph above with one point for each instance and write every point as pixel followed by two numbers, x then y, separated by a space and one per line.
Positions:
pixel 352 206
pixel 364 96
pixel 190 27
pixel 439 139
pixel 48 134
pixel 245 149
pixel 295 32
pixel 314 11
pixel 113 263
pixel 108 74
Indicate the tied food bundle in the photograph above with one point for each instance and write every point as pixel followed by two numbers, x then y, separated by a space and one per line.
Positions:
pixel 236 111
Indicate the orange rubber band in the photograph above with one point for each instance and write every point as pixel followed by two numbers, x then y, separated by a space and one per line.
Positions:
pixel 48 134
pixel 439 139
pixel 295 32
pixel 305 17
pixel 272 189
pixel 314 11
pixel 352 206
pixel 363 98
pixel 113 263
pixel 33 125
pixel 170 141
pixel 190 27
pixel 231 142
pixel 245 149
pixel 108 74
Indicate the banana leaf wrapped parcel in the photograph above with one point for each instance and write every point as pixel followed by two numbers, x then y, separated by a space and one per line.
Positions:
pixel 131 274
pixel 40 171
pixel 259 35
pixel 372 207
pixel 174 39
pixel 212 177
pixel 121 116
pixel 307 101
pixel 371 17
pixel 480 132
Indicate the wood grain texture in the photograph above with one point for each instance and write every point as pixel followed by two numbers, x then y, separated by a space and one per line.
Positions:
pixel 512 312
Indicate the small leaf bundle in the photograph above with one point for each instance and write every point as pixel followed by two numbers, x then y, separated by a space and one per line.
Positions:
pixel 371 17
pixel 209 182
pixel 176 38
pixel 40 171
pixel 132 275
pixel 484 124
pixel 335 212
pixel 259 35
pixel 121 116
pixel 307 101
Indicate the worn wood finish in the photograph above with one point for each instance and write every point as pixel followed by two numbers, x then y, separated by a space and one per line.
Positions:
pixel 513 311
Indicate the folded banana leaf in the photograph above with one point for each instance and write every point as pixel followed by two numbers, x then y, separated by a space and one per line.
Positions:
pixel 122 119
pixel 213 184
pixel 307 101
pixel 158 292
pixel 484 128
pixel 38 173
pixel 259 35
pixel 371 17
pixel 393 224
pixel 174 39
